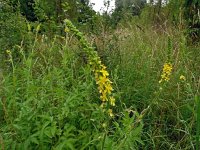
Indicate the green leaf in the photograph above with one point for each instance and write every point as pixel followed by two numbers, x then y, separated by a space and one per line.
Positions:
pixel 34 140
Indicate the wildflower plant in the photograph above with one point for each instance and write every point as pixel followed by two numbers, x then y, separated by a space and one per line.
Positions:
pixel 99 69
pixel 166 72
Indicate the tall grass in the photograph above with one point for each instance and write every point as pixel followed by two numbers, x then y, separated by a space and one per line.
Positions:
pixel 136 61
pixel 49 98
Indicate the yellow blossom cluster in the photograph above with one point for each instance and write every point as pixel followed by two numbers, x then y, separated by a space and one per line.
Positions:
pixel 104 85
pixel 167 69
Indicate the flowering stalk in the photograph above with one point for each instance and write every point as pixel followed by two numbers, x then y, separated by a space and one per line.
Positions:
pixel 166 73
pixel 99 69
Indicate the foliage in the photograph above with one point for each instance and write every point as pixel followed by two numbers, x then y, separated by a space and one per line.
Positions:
pixel 191 14
pixel 53 78
pixel 187 16
pixel 48 101
pixel 170 122
pixel 134 6
pixel 12 26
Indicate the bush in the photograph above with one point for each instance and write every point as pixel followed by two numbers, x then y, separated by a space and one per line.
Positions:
pixel 13 27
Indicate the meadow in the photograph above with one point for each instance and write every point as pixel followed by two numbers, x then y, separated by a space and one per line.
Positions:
pixel 132 87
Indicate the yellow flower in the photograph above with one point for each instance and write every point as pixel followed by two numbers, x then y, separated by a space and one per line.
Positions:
pixel 182 77
pixel 100 72
pixel 8 51
pixel 100 88
pixel 112 101
pixel 102 80
pixel 167 69
pixel 103 67
pixel 104 97
pixel 108 88
pixel 110 113
pixel 104 72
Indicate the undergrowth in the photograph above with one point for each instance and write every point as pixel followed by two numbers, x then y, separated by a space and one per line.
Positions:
pixel 52 90
pixel 49 100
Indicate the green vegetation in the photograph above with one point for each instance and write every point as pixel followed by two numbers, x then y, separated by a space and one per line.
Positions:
pixel 126 80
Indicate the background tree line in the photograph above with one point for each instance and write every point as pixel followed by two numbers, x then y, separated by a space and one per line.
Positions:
pixel 51 13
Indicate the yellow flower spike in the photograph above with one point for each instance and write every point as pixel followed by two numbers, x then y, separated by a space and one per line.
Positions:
pixel 182 77
pixel 110 112
pixel 101 74
pixel 112 101
pixel 167 69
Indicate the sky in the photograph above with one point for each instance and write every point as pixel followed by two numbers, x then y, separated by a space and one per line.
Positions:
pixel 99 5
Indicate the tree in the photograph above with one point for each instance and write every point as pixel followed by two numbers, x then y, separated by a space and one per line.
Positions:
pixel 192 16
pixel 133 6
pixel 186 14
